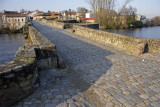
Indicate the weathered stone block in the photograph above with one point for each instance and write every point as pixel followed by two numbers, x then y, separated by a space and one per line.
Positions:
pixel 30 77
pixel 24 83
pixel 61 63
pixel 139 49
pixel 18 68
pixel 42 64
pixel 10 94
pixel 9 75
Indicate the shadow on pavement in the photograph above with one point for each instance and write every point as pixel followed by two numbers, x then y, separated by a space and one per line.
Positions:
pixel 86 64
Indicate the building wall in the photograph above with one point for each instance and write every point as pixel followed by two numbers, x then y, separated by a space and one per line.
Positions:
pixel 138 17
pixel 89 15
pixel 16 22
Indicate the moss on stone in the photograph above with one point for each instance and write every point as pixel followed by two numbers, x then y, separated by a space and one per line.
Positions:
pixel 28 60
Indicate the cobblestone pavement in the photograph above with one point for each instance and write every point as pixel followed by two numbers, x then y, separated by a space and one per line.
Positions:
pixel 55 91
pixel 107 77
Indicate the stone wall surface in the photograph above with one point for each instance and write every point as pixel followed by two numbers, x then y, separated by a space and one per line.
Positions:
pixel 20 77
pixel 53 23
pixel 126 43
pixel 119 41
pixel 68 24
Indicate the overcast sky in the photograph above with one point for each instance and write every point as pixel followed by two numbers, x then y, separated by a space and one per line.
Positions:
pixel 149 8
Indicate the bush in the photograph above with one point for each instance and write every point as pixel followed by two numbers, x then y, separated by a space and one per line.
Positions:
pixel 137 24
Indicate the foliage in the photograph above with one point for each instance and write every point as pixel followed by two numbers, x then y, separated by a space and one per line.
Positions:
pixel 82 11
pixel 27 60
pixel 156 21
pixel 106 15
pixel 137 24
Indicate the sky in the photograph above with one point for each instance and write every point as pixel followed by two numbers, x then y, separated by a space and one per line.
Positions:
pixel 149 8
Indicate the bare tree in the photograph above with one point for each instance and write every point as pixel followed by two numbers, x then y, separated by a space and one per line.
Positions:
pixel 82 11
pixel 104 11
pixel 156 21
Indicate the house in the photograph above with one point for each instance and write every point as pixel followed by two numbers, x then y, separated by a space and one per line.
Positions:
pixel 55 15
pixel 34 13
pixel 42 15
pixel 68 15
pixel 89 15
pixel 14 21
pixel 80 15
pixel 142 18
pixel 88 20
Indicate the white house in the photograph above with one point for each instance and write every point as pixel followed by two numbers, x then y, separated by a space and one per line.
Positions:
pixel 89 15
pixel 142 18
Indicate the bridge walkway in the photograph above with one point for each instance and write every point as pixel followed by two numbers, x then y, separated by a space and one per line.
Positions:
pixel 98 74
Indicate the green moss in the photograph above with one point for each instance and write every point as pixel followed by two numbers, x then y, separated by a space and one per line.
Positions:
pixel 28 60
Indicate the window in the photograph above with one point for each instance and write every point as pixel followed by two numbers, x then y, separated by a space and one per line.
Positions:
pixel 18 20
pixel 22 20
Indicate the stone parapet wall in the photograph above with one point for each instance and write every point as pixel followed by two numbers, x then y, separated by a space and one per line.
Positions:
pixel 36 38
pixel 53 23
pixel 90 25
pixel 68 24
pixel 122 42
pixel 20 77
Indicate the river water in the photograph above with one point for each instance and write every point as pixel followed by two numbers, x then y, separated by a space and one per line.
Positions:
pixel 148 32
pixel 9 44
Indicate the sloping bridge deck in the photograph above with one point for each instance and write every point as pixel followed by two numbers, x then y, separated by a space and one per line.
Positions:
pixel 98 74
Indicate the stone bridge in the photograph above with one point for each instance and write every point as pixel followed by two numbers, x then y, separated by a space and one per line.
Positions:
pixel 96 75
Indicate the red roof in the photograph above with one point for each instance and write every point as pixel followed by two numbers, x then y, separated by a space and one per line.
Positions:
pixel 88 18
pixel 16 15
pixel 55 13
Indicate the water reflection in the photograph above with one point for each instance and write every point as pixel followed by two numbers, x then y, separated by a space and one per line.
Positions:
pixel 150 32
pixel 9 44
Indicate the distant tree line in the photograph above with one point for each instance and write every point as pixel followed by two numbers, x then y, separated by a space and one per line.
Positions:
pixel 153 22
